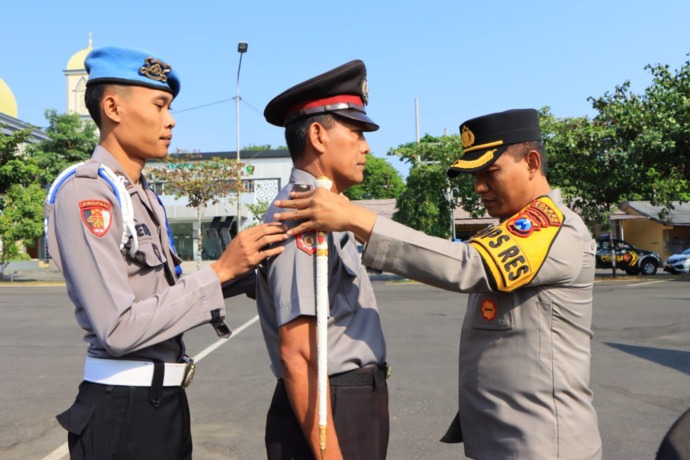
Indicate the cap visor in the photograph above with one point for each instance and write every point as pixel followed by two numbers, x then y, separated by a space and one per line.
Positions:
pixel 476 161
pixel 359 117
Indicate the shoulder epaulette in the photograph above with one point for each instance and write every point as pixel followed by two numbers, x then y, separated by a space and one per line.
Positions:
pixel 118 187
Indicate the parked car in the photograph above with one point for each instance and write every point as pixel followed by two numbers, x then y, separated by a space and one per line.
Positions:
pixel 678 263
pixel 629 258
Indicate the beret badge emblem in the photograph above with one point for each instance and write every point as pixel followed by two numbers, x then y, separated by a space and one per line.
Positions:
pixel 155 69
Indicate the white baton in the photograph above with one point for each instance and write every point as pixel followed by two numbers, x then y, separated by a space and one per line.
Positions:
pixel 322 310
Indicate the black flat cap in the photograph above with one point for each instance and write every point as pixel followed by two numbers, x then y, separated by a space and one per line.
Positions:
pixel 485 138
pixel 342 91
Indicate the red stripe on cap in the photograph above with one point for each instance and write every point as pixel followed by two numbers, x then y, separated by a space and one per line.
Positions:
pixel 326 101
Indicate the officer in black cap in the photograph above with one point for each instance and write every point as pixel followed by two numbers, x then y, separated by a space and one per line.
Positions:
pixel 524 368
pixel 325 121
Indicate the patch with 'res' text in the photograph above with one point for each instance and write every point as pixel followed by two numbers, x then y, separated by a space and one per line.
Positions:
pixel 515 250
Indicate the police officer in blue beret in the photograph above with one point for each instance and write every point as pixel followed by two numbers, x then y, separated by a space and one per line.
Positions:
pixel 107 233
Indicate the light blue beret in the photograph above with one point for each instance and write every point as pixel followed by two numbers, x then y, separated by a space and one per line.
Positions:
pixel 127 66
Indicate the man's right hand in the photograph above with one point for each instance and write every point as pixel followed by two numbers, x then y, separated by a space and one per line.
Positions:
pixel 326 211
pixel 249 248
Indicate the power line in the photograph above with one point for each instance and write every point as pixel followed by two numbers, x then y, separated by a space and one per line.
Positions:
pixel 215 103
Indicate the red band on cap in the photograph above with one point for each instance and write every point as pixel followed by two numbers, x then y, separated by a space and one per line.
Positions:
pixel 343 98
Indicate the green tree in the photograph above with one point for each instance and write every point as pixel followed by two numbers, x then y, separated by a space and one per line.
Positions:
pixel 261 148
pixel 258 210
pixel 589 166
pixel 14 168
pixel 21 211
pixel 201 182
pixel 653 128
pixel 71 140
pixel 381 180
pixel 426 203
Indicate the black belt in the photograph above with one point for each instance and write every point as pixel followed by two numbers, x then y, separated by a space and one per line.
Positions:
pixel 370 375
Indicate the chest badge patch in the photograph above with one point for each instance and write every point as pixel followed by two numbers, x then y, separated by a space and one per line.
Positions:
pixel 96 216
pixel 307 242
pixel 488 310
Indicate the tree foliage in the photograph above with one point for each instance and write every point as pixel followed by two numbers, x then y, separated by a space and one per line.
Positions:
pixel 14 168
pixel 21 213
pixel 381 181
pixel 258 210
pixel 430 197
pixel 71 140
pixel 25 175
pixel 653 128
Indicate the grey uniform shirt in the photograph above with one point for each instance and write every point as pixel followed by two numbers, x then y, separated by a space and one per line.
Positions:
pixel 524 390
pixel 286 290
pixel 130 307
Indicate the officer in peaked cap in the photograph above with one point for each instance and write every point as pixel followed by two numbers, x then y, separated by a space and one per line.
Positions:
pixel 107 233
pixel 325 120
pixel 485 138
pixel 524 368
pixel 342 91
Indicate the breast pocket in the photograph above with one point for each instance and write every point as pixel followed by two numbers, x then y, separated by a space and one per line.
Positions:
pixel 491 312
pixel 344 277
pixel 149 255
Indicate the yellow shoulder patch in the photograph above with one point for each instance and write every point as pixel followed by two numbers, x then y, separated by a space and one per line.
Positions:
pixel 515 250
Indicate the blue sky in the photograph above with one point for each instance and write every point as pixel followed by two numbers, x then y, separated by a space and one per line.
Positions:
pixel 459 59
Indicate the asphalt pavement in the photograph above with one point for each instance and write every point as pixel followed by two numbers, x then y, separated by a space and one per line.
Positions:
pixel 640 368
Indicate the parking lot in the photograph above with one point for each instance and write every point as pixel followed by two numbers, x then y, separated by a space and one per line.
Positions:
pixel 640 369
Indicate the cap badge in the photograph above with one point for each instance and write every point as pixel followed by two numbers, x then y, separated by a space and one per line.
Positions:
pixel 365 91
pixel 467 137
pixel 155 69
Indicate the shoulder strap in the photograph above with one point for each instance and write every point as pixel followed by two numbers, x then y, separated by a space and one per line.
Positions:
pixel 118 187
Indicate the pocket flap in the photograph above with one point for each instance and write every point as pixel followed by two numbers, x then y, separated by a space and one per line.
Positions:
pixel 76 418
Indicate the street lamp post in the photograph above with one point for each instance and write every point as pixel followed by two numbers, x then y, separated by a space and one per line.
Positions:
pixel 450 196
pixel 241 48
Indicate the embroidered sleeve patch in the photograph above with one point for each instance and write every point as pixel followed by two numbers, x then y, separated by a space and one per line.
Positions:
pixel 307 242
pixel 96 216
pixel 515 250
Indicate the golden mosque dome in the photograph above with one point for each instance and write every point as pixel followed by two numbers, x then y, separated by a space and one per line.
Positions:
pixel 8 104
pixel 76 62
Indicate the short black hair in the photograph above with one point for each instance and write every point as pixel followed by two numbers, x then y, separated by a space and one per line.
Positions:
pixel 523 148
pixel 92 99
pixel 296 133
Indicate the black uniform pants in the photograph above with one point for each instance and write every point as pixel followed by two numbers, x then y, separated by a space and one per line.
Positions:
pixel 360 415
pixel 118 422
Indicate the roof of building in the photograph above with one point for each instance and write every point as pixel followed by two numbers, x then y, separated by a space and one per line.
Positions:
pixel 679 216
pixel 8 104
pixel 9 125
pixel 384 208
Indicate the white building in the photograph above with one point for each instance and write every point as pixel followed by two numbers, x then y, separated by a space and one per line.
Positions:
pixel 265 173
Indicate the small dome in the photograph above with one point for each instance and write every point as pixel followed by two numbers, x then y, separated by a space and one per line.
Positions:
pixel 8 104
pixel 76 62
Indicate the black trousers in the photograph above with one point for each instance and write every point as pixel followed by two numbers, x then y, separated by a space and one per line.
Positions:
pixel 360 415
pixel 118 422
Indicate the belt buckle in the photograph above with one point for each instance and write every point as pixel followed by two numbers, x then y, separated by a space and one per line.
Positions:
pixel 189 370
